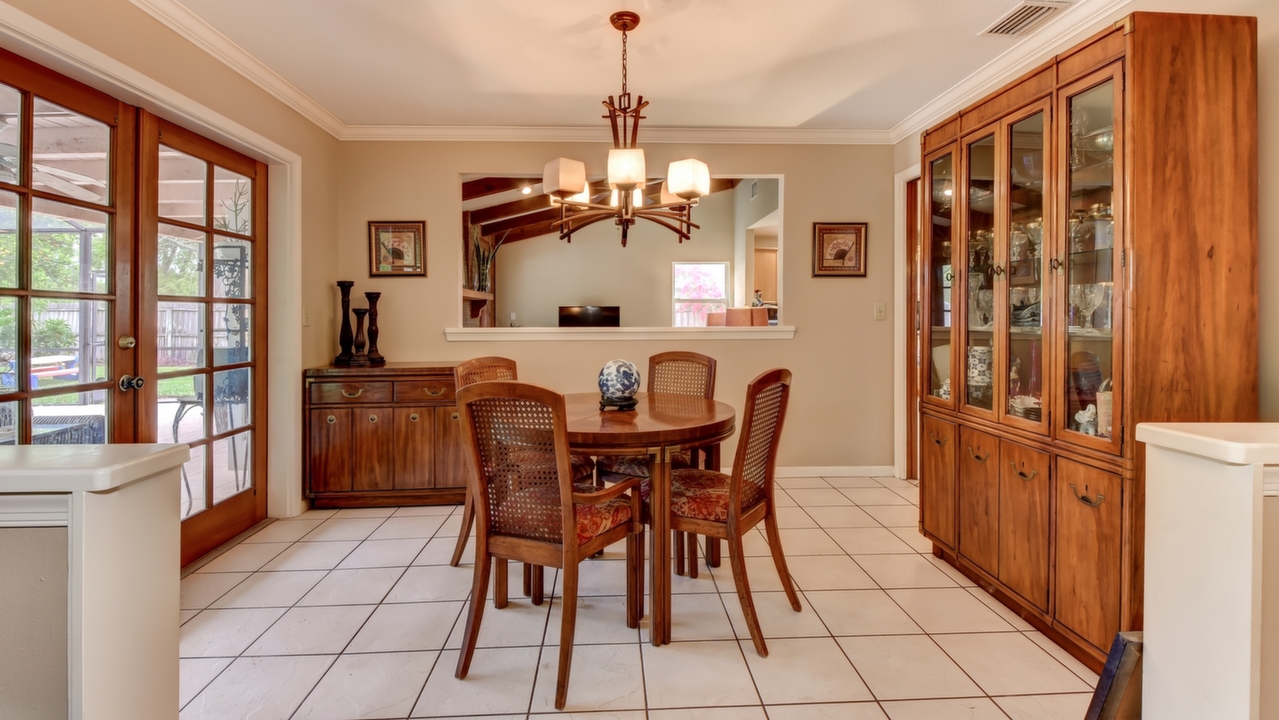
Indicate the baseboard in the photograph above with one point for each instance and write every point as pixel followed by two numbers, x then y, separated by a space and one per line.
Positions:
pixel 837 471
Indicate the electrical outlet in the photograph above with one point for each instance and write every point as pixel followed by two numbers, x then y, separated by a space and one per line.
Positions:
pixel 306 316
pixel 512 318
pixel 881 311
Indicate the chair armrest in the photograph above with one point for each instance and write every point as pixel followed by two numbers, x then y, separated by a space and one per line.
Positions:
pixel 596 498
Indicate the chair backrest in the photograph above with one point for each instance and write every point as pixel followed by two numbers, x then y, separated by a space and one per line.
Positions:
pixel 682 373
pixel 484 368
pixel 756 458
pixel 522 485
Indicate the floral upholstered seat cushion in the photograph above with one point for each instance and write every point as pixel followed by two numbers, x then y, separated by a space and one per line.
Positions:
pixel 638 465
pixel 699 495
pixel 583 466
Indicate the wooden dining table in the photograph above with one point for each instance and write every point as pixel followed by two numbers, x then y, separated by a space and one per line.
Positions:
pixel 660 425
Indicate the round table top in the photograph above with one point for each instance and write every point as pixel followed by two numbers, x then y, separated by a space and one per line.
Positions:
pixel 659 419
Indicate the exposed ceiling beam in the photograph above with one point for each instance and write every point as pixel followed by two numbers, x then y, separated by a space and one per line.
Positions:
pixel 482 187
pixel 495 229
pixel 510 209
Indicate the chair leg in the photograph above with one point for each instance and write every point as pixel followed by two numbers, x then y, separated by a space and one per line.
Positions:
pixel 712 552
pixel 678 552
pixel 737 560
pixel 528 580
pixel 692 555
pixel 468 519
pixel 499 583
pixel 568 623
pixel 775 545
pixel 632 614
pixel 640 549
pixel 538 585
pixel 479 590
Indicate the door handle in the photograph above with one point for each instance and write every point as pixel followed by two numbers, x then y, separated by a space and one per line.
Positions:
pixel 355 394
pixel 1022 474
pixel 937 440
pixel 437 393
pixel 1084 498
pixel 129 382
pixel 978 458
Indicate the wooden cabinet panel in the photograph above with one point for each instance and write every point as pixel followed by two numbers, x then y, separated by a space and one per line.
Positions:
pixel 937 479
pixel 1089 538
pixel 350 392
pixel 1024 492
pixel 373 448
pixel 979 498
pixel 414 447
pixel 330 455
pixel 450 461
pixel 435 390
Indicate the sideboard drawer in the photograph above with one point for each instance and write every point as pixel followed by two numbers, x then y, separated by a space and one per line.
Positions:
pixel 428 391
pixel 325 393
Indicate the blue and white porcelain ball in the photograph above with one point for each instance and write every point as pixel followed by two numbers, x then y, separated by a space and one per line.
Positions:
pixel 619 379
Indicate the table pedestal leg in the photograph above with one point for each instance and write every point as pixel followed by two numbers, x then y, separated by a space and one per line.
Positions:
pixel 660 504
pixel 712 462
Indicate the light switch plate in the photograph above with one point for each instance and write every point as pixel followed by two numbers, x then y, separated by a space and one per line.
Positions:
pixel 881 311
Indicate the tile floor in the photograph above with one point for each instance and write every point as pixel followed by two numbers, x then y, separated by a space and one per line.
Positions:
pixel 337 615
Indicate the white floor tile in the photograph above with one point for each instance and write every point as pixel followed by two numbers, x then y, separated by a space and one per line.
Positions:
pixel 956 709
pixel 869 541
pixel 804 670
pixel 903 571
pixel 601 677
pixel 894 515
pixel 606 715
pixel 853 482
pixel 1010 664
pixel 312 631
pixel 196 673
pixel 781 499
pixel 519 623
pixel 804 482
pixel 312 556
pixel 910 493
pixel 697 674
pixel 948 610
pixel 601 620
pixel 395 528
pixel 264 687
pixel 184 615
pixel 1000 609
pixel 835 711
pixel 500 681
pixel 431 583
pixel 344 528
pixel 384 553
pixel 751 712
pixel 439 550
pixel 861 612
pixel 421 510
pixel 277 589
pixel 199 590
pixel 373 512
pixel 369 686
pixel 244 558
pixel 874 496
pixel 284 531
pixel 839 517
pixel 753 543
pixel 905 667
pixel 950 571
pixel 410 626
pixel 777 619
pixel 365 586
pixel 1065 658
pixel 313 514
pixel 913 537
pixel 594 577
pixel 1045 707
pixel 816 497
pixel 827 572
pixel 894 483
pixel 812 541
pixel 697 617
pixel 224 633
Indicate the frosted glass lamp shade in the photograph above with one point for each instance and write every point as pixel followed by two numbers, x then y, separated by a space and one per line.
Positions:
pixel 626 168
pixel 582 197
pixel 689 179
pixel 563 177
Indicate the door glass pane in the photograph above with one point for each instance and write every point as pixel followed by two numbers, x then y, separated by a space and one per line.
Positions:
pixel 1025 268
pixel 182 186
pixel 70 419
pixel 231 400
pixel 70 153
pixel 981 261
pixel 9 423
pixel 1090 279
pixel 180 336
pixel 10 134
pixel 68 248
pixel 8 344
pixel 231 334
pixel 231 265
pixel 232 202
pixel 193 496
pixel 941 273
pixel 68 341
pixel 179 261
pixel 182 401
pixel 8 239
pixel 232 465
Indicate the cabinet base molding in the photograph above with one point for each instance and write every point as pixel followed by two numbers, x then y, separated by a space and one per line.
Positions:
pixel 383 498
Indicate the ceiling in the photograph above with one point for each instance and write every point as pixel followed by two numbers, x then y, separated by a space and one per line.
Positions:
pixel 858 65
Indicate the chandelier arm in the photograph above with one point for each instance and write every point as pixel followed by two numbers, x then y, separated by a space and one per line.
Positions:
pixel 573 227
pixel 582 207
pixel 678 231
pixel 682 217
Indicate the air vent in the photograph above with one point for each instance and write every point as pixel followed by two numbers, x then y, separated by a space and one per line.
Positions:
pixel 1025 17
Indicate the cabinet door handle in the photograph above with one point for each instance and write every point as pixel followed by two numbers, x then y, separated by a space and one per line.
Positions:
pixel 373 418
pixel 332 419
pixel 999 270
pixel 978 458
pixel 454 416
pixel 1084 498
pixel 938 440
pixel 413 417
pixel 355 394
pixel 1054 264
pixel 1022 473
pixel 437 393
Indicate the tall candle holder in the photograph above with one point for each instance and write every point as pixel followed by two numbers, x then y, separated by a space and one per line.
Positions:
pixel 359 359
pixel 344 338
pixel 375 357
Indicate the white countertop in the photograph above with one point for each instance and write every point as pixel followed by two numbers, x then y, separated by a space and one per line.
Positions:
pixel 83 468
pixel 1235 443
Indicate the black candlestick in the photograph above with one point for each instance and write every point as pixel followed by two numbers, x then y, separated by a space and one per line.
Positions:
pixel 375 357
pixel 344 338
pixel 359 359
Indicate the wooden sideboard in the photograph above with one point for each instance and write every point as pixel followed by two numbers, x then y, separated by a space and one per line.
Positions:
pixel 382 436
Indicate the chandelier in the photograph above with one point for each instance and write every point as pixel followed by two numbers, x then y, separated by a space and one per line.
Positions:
pixel 564 179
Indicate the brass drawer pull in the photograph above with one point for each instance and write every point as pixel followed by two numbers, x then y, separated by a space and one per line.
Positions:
pixel 332 419
pixel 413 417
pixel 1084 498
pixel 937 440
pixel 1022 473
pixel 355 394
pixel 437 393
pixel 454 416
pixel 978 458
pixel 373 418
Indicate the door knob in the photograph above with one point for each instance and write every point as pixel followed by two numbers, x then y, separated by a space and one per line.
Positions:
pixel 127 342
pixel 129 382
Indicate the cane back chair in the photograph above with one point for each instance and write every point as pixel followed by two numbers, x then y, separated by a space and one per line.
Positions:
pixel 528 509
pixel 725 507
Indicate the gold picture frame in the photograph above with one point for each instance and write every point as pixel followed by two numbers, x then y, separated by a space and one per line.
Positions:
pixel 397 248
pixel 839 249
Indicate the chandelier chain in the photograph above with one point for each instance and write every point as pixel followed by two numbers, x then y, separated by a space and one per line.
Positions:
pixel 623 62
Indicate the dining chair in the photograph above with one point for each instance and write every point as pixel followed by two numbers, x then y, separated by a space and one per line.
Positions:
pixel 483 369
pixel 529 510
pixel 725 507
pixel 678 373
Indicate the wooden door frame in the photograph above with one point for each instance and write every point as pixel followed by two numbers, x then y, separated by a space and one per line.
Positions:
pixel 913 317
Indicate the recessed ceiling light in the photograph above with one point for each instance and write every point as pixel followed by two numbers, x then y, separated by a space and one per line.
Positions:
pixel 527 189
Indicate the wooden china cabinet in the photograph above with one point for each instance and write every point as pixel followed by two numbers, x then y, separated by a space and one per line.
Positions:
pixel 1089 263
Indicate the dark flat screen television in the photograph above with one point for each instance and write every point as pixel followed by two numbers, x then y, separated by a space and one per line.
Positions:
pixel 590 316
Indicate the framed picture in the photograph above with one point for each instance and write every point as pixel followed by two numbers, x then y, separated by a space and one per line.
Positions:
pixel 397 248
pixel 839 249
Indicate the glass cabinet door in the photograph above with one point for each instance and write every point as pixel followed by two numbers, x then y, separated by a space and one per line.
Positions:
pixel 1025 340
pixel 939 209
pixel 1088 303
pixel 979 326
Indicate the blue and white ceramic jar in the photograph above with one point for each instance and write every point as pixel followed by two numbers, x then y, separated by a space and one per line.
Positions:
pixel 619 380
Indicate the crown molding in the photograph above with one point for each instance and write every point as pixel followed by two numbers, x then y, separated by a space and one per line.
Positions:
pixel 180 19
pixel 1082 18
pixel 600 133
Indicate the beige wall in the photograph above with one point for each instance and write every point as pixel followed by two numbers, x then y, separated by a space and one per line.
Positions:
pixel 841 412
pixel 538 275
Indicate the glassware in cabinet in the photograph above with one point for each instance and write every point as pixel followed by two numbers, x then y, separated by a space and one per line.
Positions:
pixel 1026 357
pixel 940 276
pixel 979 325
